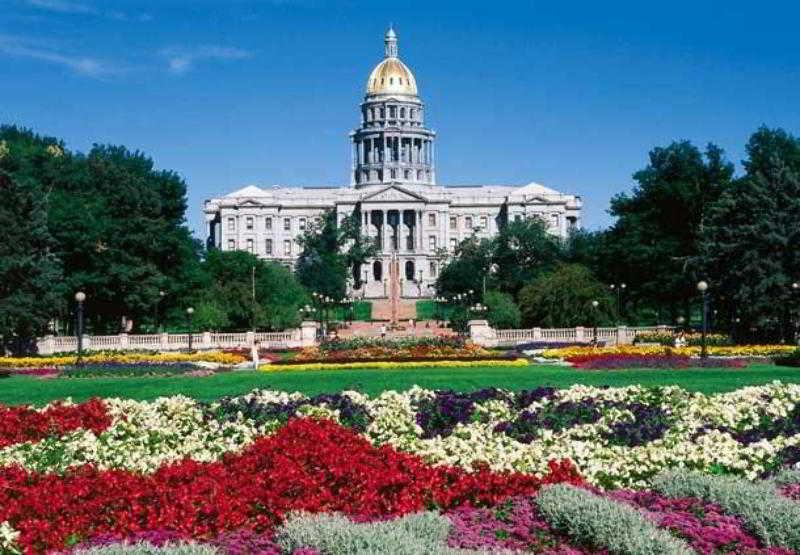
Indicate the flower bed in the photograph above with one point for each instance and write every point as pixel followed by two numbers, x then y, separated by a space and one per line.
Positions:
pixel 740 351
pixel 231 474
pixel 396 365
pixel 592 361
pixel 423 348
pixel 789 359
pixel 122 358
pixel 308 465
pixel 615 436
pixel 667 338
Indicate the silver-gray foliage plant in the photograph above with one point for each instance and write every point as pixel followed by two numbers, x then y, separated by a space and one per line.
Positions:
pixel 145 548
pixel 589 519
pixel 774 519
pixel 334 534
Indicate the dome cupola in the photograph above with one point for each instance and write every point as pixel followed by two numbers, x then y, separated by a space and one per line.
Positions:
pixel 391 76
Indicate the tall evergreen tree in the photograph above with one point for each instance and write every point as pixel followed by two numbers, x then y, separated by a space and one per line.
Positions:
pixel 30 275
pixel 751 251
pixel 658 229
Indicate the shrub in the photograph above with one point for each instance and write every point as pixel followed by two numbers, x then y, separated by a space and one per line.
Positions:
pixel 502 313
pixel 775 520
pixel 604 524
pixel 336 535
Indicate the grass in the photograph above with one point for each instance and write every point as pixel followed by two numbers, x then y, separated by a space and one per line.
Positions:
pixel 24 390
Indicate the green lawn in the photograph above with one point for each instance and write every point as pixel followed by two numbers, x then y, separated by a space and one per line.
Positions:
pixel 20 390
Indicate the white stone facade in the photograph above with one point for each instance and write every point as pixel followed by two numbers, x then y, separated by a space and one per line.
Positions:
pixel 393 188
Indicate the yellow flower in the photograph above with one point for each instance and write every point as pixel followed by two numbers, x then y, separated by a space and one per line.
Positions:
pixel 519 362
pixel 206 356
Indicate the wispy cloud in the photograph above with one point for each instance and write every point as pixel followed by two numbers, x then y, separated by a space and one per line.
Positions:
pixel 84 65
pixel 181 60
pixel 83 8
pixel 62 6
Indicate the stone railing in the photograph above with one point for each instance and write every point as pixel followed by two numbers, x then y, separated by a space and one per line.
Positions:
pixel 483 334
pixel 303 336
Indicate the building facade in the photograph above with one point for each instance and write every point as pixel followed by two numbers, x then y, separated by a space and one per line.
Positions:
pixel 393 191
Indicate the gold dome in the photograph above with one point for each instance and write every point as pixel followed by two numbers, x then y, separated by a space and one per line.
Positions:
pixel 392 76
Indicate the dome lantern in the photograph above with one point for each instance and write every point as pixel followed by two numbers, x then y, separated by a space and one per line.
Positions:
pixel 390 43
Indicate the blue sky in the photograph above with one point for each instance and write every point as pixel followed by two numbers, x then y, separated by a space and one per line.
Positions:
pixel 568 94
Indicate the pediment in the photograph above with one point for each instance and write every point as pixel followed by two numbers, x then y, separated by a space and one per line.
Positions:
pixel 393 193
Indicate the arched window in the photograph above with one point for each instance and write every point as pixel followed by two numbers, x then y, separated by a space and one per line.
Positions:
pixel 402 113
pixel 411 113
pixel 377 271
pixel 383 112
pixel 371 114
pixel 409 270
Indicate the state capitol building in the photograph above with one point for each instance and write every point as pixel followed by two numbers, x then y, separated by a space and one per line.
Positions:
pixel 393 187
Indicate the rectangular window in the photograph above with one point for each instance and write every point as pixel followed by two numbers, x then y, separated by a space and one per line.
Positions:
pixel 287 247
pixel 392 111
pixel 432 219
pixel 268 246
pixel 468 222
pixel 484 222
pixel 517 217
pixel 231 224
pixel 287 224
pixel 556 220
pixel 453 222
pixel 302 224
pixel 432 243
pixel 231 244
pixel 268 224
pixel 432 268
pixel 453 244
pixel 249 223
pixel 250 245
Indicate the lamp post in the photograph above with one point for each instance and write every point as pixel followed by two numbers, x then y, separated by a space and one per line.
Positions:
pixel 189 313
pixel 595 304
pixel 80 297
pixel 161 295
pixel 702 286
pixel 492 270
pixel 619 289
pixel 796 289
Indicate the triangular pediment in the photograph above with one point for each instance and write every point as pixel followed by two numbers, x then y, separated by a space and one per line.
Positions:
pixel 393 193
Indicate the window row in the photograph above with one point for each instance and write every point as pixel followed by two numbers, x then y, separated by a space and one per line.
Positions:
pixel 250 223
pixel 379 113
pixel 268 248
pixel 469 222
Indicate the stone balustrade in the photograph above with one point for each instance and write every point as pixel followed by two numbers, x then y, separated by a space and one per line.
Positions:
pixel 304 336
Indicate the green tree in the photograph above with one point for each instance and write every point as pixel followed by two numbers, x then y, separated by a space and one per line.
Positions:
pixel 502 312
pixel 659 226
pixel 117 223
pixel 563 298
pixel 331 253
pixel 226 295
pixel 522 250
pixel 750 254
pixel 465 270
pixel 30 275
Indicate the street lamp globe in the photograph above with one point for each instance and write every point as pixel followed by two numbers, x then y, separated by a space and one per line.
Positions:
pixel 702 286
pixel 796 286
pixel 612 286
pixel 623 285
pixel 162 294
pixel 80 296
pixel 190 311
pixel 595 304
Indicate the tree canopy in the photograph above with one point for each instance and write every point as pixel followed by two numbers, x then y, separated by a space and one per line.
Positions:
pixel 750 252
pixel 563 298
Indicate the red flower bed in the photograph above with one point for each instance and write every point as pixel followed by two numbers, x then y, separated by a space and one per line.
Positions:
pixel 308 465
pixel 18 424
pixel 609 361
